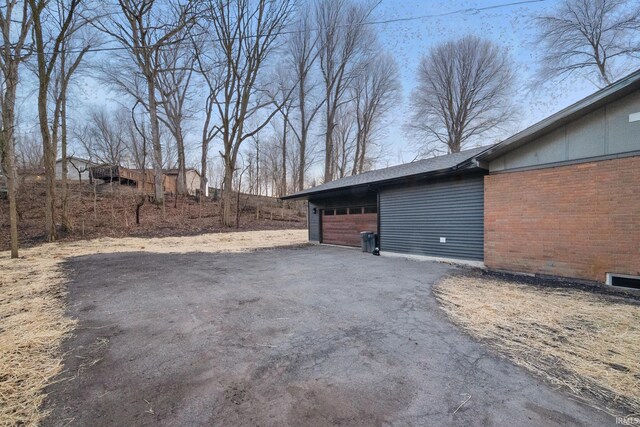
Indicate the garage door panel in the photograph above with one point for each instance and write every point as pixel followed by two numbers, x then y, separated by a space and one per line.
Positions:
pixel 413 219
pixel 345 229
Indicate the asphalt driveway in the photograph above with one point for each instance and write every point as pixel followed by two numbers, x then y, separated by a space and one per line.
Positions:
pixel 305 336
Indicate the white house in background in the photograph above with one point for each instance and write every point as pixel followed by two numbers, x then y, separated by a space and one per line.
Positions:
pixel 192 177
pixel 77 169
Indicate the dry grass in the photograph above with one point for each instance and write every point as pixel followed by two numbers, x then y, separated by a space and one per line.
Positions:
pixel 32 311
pixel 584 342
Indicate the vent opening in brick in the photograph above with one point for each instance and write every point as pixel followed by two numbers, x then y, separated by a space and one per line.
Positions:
pixel 623 281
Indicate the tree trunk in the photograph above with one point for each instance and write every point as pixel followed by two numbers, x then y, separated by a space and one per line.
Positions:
pixel 48 143
pixel 363 153
pixel 238 202
pixel 356 158
pixel 50 179
pixel 258 188
pixel 158 187
pixel 64 184
pixel 363 150
pixel 303 133
pixel 203 169
pixel 283 183
pixel 49 151
pixel 227 193
pixel 141 199
pixel 9 153
pixel 328 145
pixel 181 182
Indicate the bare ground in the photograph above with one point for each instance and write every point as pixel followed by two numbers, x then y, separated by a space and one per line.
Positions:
pixel 109 211
pixel 33 313
pixel 314 335
pixel 582 341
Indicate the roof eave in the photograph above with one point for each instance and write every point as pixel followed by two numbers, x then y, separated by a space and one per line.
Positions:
pixel 467 166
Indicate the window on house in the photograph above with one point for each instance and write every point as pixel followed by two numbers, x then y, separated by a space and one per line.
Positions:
pixel 341 211
pixel 328 212
pixel 370 209
pixel 355 211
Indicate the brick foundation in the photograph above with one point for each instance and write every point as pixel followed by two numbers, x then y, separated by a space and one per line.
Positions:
pixel 578 221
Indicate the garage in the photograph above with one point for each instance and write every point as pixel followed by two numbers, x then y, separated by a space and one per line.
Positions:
pixel 432 207
pixel 342 226
pixel 444 218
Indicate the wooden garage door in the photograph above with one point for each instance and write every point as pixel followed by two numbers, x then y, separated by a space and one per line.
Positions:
pixel 342 226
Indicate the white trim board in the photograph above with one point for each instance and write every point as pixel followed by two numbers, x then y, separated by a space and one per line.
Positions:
pixel 468 263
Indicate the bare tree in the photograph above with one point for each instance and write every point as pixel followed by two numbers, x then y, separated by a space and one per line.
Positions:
pixel 285 85
pixel 174 84
pixel 14 51
pixel 343 38
pixel 28 152
pixel 144 28
pixel 256 145
pixel 464 92
pixel 245 32
pixel 271 165
pixel 375 90
pixel 344 136
pixel 73 48
pixel 48 43
pixel 302 55
pixel 207 68
pixel 586 36
pixel 137 135
pixel 104 137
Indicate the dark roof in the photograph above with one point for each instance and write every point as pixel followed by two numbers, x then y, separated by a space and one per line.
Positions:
pixel 616 90
pixel 175 171
pixel 446 163
pixel 70 158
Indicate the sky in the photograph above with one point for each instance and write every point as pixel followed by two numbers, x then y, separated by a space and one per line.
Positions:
pixel 422 24
pixel 510 27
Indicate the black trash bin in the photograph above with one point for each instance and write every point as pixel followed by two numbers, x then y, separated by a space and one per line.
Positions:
pixel 368 241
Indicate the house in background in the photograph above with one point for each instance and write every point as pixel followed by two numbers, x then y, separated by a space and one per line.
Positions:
pixel 561 198
pixel 193 179
pixel 77 169
pixel 144 179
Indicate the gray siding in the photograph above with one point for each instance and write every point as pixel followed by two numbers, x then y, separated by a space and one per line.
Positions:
pixel 314 223
pixel 604 132
pixel 413 219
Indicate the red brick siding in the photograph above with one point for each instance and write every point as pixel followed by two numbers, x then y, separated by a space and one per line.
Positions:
pixel 578 221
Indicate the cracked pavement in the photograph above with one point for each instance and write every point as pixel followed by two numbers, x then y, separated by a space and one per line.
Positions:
pixel 298 336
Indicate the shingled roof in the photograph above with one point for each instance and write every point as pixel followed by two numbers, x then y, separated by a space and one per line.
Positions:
pixel 433 165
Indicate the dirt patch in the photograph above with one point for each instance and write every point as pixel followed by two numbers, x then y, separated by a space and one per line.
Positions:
pixel 111 211
pixel 33 313
pixel 583 341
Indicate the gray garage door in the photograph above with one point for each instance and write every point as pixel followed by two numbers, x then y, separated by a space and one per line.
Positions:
pixel 442 219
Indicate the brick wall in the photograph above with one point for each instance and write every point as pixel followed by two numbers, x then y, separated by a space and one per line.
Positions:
pixel 578 221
